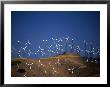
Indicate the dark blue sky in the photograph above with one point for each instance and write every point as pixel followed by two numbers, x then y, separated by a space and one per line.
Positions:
pixel 41 25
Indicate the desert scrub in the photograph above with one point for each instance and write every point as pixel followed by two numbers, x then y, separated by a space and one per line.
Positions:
pixel 21 70
pixel 15 62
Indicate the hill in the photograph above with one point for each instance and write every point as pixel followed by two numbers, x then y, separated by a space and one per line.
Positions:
pixel 65 65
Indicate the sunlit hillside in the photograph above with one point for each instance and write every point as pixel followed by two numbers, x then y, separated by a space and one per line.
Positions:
pixel 65 65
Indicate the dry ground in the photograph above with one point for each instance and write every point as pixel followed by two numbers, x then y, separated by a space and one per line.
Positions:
pixel 66 65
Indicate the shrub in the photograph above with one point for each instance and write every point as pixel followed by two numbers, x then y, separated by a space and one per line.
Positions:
pixel 21 70
pixel 15 62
